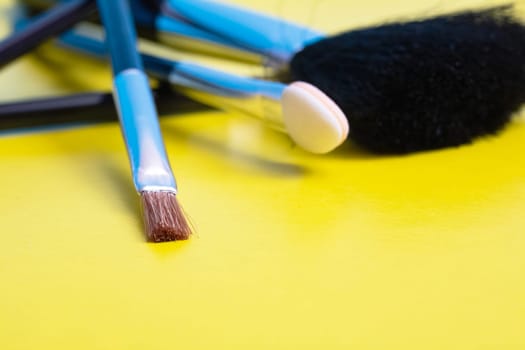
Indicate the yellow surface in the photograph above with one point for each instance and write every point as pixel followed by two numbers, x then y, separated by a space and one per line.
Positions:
pixel 292 251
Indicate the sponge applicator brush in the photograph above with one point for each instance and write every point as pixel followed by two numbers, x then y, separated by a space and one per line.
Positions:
pixel 311 119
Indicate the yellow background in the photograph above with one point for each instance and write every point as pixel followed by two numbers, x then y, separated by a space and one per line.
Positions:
pixel 292 251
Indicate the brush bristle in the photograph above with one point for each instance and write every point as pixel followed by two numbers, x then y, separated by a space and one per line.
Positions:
pixel 424 84
pixel 164 218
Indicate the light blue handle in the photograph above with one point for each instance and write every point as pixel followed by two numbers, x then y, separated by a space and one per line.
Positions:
pixel 273 37
pixel 142 131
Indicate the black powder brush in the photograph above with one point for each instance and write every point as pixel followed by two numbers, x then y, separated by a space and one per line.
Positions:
pixel 404 87
pixel 425 84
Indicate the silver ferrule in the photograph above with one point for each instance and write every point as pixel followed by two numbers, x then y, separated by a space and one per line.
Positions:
pixel 253 97
pixel 140 126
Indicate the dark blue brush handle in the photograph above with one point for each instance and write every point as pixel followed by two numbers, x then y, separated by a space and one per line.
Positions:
pixel 121 36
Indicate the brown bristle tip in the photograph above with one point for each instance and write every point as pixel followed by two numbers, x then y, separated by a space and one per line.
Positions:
pixel 164 218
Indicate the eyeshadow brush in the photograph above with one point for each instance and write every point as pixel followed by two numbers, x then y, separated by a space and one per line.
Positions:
pixel 163 216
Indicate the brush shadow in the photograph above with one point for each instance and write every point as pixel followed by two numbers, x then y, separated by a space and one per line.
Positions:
pixel 124 190
pixel 351 151
pixel 235 155
pixel 43 59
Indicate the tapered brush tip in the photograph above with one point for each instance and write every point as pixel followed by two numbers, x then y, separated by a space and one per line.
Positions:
pixel 164 218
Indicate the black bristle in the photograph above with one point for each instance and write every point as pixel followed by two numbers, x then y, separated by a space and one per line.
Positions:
pixel 425 84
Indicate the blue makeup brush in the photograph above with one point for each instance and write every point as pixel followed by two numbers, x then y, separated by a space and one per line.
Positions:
pixel 152 175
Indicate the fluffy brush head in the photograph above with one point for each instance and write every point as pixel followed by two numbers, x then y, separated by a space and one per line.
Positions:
pixel 163 217
pixel 422 85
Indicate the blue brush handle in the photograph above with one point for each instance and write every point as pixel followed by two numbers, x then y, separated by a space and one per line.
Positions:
pixel 161 23
pixel 270 36
pixel 120 34
pixel 134 100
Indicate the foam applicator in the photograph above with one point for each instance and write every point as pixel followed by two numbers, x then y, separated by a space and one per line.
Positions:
pixel 404 87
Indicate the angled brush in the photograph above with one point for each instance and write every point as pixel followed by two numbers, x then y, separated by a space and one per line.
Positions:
pixel 163 217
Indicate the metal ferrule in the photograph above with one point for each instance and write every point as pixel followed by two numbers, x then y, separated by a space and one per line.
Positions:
pixel 149 163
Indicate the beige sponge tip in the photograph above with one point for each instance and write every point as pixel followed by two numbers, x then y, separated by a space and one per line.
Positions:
pixel 312 119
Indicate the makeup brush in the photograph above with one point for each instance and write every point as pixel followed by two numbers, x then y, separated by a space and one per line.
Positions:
pixel 404 87
pixel 163 217
pixel 306 114
pixel 54 21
